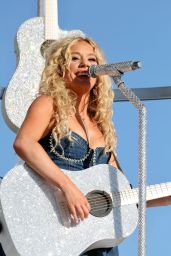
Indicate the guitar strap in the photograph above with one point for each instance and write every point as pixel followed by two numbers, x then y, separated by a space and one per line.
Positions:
pixel 120 169
pixel 116 160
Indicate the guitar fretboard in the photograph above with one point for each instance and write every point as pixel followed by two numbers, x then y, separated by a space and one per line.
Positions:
pixel 130 196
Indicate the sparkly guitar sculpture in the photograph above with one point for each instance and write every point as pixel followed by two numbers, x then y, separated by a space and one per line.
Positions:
pixel 33 36
pixel 37 222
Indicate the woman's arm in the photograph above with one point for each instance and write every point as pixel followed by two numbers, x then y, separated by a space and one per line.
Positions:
pixel 36 124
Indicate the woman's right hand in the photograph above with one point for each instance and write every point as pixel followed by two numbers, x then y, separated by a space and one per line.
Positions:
pixel 78 204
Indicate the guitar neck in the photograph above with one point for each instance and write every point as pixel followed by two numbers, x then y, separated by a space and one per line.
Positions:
pixel 152 192
pixel 51 19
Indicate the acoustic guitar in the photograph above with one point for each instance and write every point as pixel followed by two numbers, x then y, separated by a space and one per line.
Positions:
pixel 36 220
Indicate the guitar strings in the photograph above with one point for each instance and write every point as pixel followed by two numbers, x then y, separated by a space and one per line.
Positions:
pixel 134 192
pixel 99 204
pixel 129 194
pixel 119 195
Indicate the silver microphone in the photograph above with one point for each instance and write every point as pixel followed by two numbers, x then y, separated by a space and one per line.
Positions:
pixel 115 69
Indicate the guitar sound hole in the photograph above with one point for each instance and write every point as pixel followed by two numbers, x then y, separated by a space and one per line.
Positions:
pixel 100 202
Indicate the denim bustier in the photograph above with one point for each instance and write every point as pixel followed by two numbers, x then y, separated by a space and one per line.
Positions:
pixel 73 152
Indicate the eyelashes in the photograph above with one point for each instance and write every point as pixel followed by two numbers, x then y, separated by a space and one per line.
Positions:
pixel 75 58
pixel 92 59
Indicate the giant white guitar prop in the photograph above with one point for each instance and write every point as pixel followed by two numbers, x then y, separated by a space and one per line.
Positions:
pixel 24 85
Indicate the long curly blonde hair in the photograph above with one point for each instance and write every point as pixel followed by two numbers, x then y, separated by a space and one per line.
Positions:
pixel 101 97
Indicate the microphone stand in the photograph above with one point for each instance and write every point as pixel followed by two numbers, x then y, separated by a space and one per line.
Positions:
pixel 142 142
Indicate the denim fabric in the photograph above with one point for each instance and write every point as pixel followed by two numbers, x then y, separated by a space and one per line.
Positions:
pixel 102 252
pixel 75 147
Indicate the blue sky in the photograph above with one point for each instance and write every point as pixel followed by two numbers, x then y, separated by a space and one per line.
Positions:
pixel 126 30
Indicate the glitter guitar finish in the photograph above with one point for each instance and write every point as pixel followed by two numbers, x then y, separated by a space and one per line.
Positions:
pixel 36 220
pixel 24 85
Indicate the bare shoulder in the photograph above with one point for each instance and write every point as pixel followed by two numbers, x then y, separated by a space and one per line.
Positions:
pixel 41 111
pixel 42 106
pixel 43 101
pixel 38 120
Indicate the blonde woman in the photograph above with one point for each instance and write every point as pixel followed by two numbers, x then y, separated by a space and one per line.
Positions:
pixel 69 125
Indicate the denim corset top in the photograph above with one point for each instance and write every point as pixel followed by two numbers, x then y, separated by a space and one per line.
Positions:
pixel 73 152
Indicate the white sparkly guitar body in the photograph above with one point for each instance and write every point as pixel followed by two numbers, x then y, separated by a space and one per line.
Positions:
pixel 23 87
pixel 36 220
